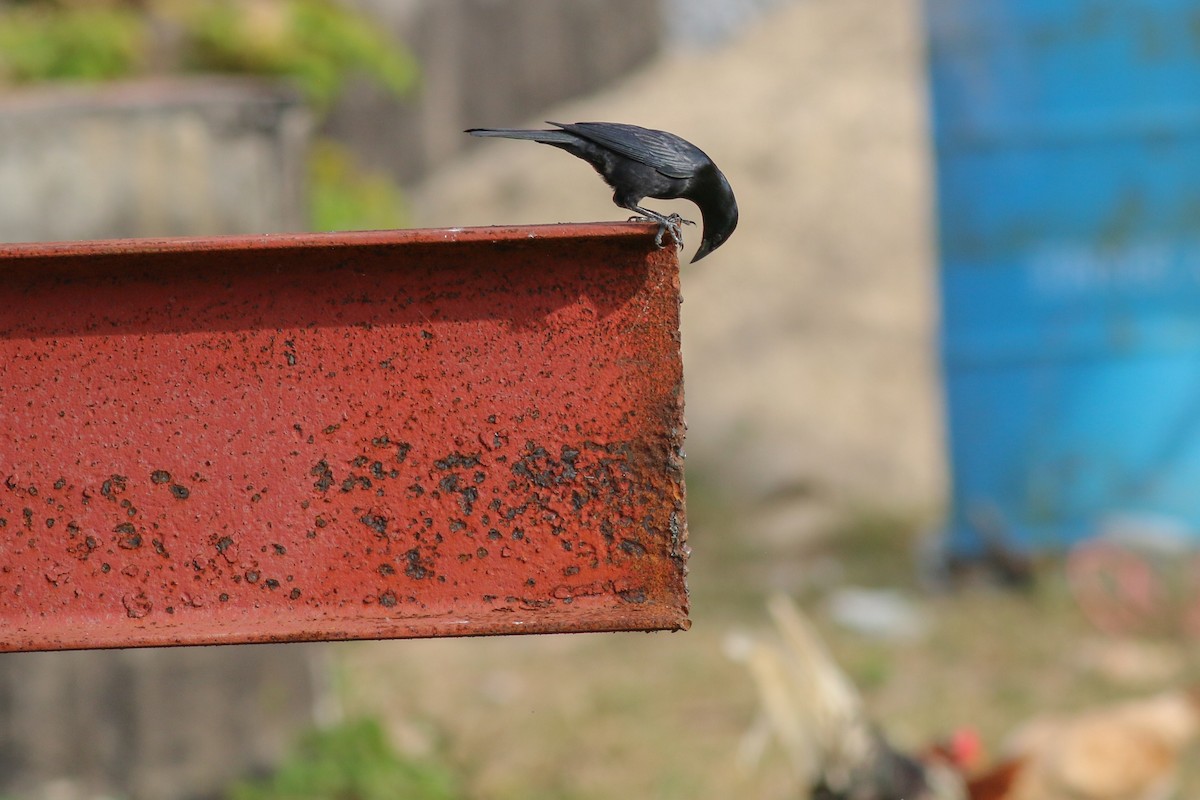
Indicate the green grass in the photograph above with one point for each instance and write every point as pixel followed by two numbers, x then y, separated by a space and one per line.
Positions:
pixel 353 761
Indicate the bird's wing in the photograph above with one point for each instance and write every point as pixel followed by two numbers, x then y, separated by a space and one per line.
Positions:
pixel 1119 751
pixel 665 152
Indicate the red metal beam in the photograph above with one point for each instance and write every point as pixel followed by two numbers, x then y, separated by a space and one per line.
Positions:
pixel 340 436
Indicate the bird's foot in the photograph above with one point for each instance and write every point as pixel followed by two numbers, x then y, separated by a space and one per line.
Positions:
pixel 672 224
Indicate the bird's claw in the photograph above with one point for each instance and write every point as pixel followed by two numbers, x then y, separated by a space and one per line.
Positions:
pixel 671 228
pixel 672 224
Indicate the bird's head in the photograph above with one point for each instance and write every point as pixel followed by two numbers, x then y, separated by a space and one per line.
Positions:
pixel 963 749
pixel 718 208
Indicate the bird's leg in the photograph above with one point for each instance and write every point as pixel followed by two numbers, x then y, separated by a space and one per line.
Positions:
pixel 672 224
pixel 672 218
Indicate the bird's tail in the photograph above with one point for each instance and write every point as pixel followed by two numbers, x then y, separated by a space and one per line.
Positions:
pixel 810 703
pixel 830 700
pixel 546 137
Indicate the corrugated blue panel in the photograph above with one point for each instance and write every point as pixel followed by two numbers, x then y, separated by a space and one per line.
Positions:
pixel 1093 68
pixel 1068 158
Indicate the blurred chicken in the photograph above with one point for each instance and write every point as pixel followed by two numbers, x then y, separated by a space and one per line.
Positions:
pixel 1129 751
pixel 997 783
pixel 818 716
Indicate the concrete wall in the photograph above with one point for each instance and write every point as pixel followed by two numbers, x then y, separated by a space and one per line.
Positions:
pixel 155 158
pixel 488 62
pixel 175 724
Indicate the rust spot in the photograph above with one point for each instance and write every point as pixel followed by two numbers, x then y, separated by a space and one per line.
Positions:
pixel 113 486
pixel 633 548
pixel 632 596
pixel 323 474
pixel 457 461
pixel 376 523
pixel 128 537
pixel 137 605
pixel 415 569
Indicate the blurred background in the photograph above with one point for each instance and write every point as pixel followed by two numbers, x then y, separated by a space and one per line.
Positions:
pixel 943 385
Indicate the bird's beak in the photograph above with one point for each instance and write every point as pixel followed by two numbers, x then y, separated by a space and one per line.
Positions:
pixel 719 223
pixel 704 249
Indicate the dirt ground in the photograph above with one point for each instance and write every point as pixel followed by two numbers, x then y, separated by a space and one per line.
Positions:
pixel 811 388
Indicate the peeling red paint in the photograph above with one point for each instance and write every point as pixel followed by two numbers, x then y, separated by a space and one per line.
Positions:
pixel 337 436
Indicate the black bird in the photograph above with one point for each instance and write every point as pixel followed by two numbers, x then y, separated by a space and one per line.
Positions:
pixel 641 162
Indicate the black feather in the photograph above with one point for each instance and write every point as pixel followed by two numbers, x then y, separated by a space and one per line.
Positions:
pixel 641 162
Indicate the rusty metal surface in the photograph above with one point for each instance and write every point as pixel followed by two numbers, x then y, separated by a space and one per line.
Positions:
pixel 335 436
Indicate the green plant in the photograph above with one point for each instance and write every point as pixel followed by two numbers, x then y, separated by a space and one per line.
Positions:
pixel 352 761
pixel 43 42
pixel 317 43
pixel 343 196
